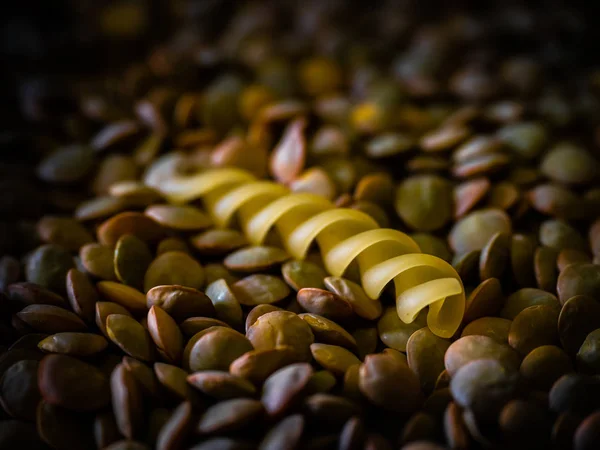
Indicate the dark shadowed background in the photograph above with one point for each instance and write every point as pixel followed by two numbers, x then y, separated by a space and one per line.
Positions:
pixel 41 41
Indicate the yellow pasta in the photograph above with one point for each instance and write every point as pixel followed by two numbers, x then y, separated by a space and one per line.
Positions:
pixel 343 235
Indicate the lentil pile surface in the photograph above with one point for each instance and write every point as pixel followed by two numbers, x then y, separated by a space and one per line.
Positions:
pixel 130 323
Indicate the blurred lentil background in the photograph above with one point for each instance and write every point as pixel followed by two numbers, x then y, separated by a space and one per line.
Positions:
pixel 88 35
pixel 47 49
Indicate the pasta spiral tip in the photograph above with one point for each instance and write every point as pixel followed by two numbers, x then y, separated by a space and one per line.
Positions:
pixel 343 235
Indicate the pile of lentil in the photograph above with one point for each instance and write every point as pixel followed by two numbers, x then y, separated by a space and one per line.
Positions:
pixel 128 323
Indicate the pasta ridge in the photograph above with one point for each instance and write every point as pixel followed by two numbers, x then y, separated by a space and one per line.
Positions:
pixel 343 235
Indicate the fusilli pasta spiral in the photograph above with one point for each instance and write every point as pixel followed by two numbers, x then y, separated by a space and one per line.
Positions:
pixel 343 235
